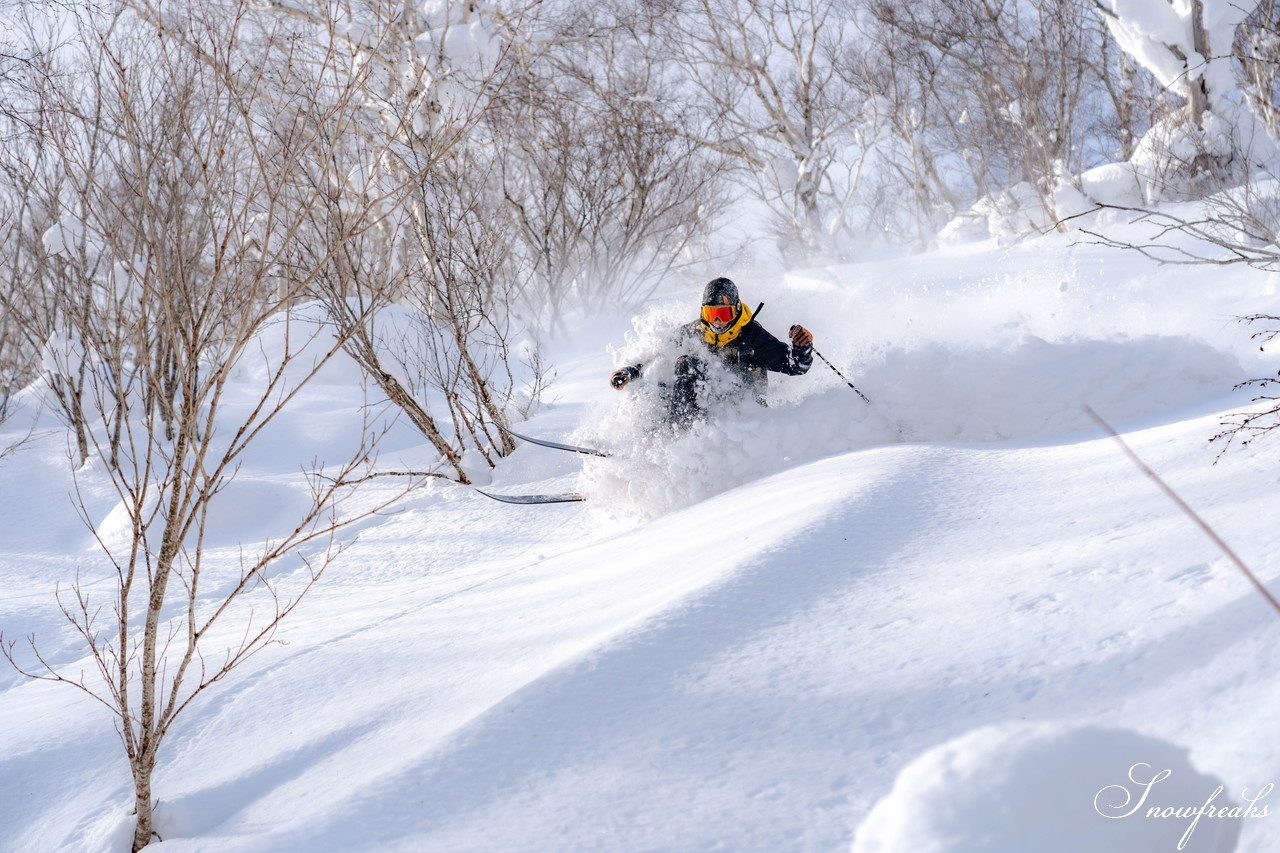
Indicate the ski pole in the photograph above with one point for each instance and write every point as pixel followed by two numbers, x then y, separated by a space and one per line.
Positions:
pixel 841 375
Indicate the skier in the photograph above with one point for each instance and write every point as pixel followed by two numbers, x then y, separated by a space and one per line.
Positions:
pixel 728 331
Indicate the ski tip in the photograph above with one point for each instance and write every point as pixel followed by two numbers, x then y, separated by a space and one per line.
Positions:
pixel 542 442
pixel 559 498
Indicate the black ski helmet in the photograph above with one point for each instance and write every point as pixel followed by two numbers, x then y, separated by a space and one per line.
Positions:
pixel 716 291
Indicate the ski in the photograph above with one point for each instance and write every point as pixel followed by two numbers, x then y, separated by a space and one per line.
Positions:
pixel 586 451
pixel 559 498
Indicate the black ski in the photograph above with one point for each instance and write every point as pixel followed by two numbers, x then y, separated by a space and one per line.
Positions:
pixel 560 498
pixel 586 451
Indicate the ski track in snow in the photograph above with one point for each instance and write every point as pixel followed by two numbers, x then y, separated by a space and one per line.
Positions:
pixel 747 662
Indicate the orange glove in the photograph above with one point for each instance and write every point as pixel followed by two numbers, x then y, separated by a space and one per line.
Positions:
pixel 800 336
pixel 623 376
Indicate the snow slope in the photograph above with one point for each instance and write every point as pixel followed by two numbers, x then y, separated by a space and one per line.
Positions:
pixel 747 634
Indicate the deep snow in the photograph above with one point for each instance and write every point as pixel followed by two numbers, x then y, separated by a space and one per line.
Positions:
pixel 746 634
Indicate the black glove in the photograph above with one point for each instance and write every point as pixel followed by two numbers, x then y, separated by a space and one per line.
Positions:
pixel 800 336
pixel 624 375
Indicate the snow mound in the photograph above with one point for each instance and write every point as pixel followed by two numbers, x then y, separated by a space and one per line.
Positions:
pixel 1113 183
pixel 1051 788
pixel 248 511
pixel 292 346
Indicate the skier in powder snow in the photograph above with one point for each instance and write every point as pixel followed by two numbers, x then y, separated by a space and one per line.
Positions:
pixel 728 331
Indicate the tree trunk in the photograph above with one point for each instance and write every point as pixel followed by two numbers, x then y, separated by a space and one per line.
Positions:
pixel 1198 101
pixel 143 764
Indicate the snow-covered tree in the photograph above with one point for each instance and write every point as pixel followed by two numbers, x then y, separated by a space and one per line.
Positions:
pixel 1188 46
pixel 1257 49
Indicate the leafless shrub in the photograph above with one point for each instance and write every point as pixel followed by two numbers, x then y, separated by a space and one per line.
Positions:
pixel 538 191
pixel 603 198
pixel 443 252
pixel 1243 427
pixel 442 347
pixel 1237 225
pixel 37 296
pixel 586 166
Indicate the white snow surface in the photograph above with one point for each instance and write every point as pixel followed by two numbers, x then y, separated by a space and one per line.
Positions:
pixel 953 618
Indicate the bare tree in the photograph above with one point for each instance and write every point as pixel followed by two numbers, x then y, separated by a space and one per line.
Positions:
pixel 193 229
pixel 774 99
pixel 597 176
pixel 423 95
pixel 38 296
pixel 13 366
pixel 559 193
pixel 997 85
pixel 444 346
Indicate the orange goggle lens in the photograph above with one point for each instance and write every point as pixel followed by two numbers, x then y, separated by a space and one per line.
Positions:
pixel 721 314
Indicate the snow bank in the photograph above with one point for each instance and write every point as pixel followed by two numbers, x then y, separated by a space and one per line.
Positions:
pixel 1052 789
pixel 246 511
pixel 297 342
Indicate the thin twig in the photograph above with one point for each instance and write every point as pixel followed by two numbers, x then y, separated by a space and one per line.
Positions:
pixel 351 481
pixel 1209 531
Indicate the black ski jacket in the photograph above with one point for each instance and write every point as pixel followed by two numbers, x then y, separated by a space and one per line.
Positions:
pixel 751 354
pixel 755 351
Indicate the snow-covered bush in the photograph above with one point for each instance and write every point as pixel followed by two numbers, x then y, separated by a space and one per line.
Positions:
pixel 1116 184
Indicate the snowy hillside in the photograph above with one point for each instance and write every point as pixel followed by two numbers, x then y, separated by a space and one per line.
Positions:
pixel 745 635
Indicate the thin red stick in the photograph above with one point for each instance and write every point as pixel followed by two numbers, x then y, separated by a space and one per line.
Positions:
pixel 1226 549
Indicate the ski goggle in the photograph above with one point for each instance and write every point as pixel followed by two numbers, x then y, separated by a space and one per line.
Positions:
pixel 721 315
